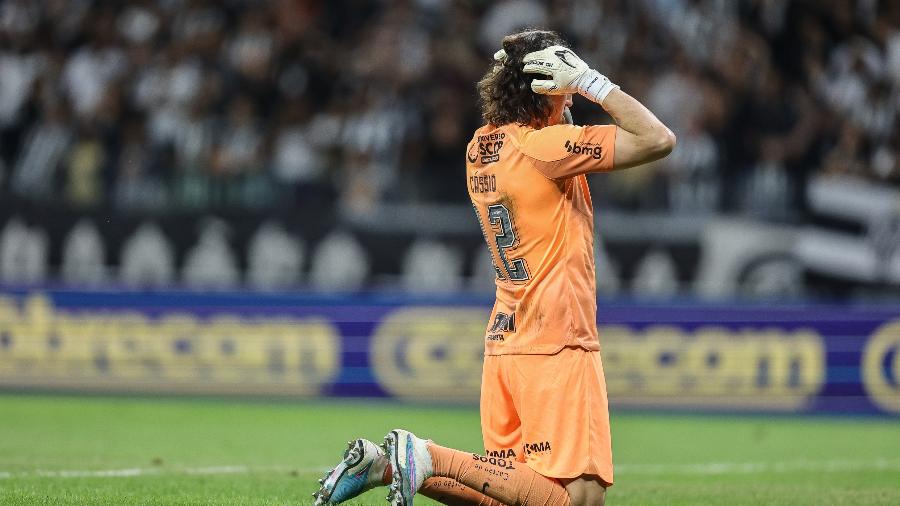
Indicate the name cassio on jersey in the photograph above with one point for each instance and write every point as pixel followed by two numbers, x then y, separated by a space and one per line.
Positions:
pixel 483 184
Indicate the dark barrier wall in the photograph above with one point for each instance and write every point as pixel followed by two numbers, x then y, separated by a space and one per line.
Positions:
pixel 832 359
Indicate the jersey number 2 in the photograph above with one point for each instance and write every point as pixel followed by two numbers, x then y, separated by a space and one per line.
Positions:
pixel 505 236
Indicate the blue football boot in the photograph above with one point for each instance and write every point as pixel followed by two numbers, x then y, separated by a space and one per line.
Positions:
pixel 360 470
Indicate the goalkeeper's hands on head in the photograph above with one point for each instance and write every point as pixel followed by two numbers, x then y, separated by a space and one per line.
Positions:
pixel 567 73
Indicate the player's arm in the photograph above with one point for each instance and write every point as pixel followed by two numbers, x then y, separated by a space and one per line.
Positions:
pixel 641 137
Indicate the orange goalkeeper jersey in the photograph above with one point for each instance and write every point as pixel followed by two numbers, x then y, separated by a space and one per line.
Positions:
pixel 531 196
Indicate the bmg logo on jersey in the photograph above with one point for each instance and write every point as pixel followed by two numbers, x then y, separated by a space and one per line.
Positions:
pixel 489 147
pixel 585 148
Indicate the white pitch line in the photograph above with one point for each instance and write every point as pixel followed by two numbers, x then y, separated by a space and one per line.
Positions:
pixel 108 473
pixel 704 469
pixel 219 470
pixel 137 471
pixel 713 468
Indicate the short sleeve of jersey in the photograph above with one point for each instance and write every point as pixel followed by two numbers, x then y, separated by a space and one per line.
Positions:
pixel 563 151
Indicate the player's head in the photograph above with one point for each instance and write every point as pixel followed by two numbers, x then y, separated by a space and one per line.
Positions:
pixel 504 92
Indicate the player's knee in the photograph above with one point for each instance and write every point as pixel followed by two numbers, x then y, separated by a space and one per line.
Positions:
pixel 586 492
pixel 598 497
pixel 588 497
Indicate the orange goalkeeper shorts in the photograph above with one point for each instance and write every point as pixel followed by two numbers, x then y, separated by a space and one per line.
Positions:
pixel 548 411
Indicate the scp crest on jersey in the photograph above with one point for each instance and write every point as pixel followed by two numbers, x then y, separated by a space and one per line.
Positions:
pixel 487 148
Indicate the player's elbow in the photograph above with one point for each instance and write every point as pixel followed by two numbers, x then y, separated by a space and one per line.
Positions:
pixel 649 146
pixel 663 142
pixel 656 144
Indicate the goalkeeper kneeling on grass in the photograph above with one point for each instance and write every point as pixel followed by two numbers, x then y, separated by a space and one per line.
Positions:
pixel 544 414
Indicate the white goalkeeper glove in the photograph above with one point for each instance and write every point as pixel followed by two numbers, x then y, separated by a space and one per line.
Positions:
pixel 568 74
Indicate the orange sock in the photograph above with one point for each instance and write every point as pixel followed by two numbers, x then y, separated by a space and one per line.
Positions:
pixel 453 493
pixel 447 491
pixel 504 480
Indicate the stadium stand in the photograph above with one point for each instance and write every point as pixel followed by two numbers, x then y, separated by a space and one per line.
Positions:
pixel 318 116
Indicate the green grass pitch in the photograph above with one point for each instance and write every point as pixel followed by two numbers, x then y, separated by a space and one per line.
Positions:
pixel 147 451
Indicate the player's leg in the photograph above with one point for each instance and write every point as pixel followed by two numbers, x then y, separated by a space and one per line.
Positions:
pixel 453 493
pixel 415 460
pixel 364 466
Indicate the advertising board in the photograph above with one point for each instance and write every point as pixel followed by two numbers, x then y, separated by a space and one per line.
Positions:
pixel 811 358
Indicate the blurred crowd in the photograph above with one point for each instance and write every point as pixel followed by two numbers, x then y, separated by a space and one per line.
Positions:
pixel 149 105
